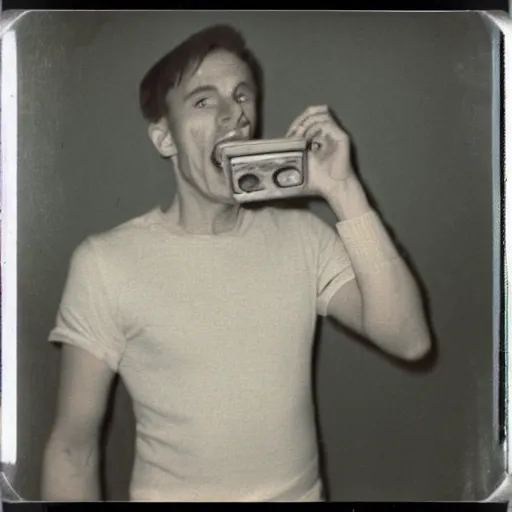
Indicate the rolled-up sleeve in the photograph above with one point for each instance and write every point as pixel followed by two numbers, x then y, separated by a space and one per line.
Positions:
pixel 333 266
pixel 86 317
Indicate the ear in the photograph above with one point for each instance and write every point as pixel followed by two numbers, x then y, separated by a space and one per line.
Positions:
pixel 161 137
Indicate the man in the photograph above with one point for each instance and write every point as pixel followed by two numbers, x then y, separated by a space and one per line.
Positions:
pixel 208 310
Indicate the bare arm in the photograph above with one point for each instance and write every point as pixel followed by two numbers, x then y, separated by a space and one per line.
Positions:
pixel 389 313
pixel 70 465
pixel 383 303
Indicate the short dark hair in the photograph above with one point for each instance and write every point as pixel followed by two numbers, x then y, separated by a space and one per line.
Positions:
pixel 187 56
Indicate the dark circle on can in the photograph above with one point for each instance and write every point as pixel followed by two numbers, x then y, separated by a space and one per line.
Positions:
pixel 249 182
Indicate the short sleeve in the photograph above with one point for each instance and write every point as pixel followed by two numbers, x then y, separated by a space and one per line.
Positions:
pixel 86 315
pixel 333 266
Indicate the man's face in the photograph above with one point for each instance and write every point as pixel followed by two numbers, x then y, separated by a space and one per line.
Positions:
pixel 215 103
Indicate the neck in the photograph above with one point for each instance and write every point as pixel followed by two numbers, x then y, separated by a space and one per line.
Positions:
pixel 196 214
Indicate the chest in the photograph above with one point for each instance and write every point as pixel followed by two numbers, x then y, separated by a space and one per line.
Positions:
pixel 194 305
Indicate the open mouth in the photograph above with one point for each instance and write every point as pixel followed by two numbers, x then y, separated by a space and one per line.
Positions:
pixel 216 154
pixel 215 158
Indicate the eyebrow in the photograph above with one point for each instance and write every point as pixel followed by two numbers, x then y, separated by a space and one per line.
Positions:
pixel 201 88
pixel 210 88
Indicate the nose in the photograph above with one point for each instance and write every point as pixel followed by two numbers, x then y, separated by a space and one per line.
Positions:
pixel 232 115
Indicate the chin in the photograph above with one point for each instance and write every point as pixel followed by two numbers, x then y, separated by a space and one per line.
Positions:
pixel 216 194
pixel 220 193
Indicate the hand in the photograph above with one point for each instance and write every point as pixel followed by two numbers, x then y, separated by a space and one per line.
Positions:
pixel 328 156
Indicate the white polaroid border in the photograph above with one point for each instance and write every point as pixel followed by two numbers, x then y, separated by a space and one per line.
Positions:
pixel 8 216
pixel 502 154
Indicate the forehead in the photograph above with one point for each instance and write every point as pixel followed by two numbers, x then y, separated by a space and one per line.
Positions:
pixel 218 68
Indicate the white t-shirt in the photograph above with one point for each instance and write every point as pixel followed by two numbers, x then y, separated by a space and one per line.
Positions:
pixel 212 336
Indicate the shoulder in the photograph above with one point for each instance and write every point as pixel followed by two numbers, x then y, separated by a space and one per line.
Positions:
pixel 112 246
pixel 126 235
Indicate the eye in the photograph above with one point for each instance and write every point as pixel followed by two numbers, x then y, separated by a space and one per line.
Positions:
pixel 203 102
pixel 242 97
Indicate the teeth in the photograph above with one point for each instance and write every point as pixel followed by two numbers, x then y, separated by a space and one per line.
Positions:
pixel 230 136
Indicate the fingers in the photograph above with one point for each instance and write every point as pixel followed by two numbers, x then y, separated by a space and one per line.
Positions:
pixel 321 109
pixel 312 132
pixel 301 128
pixel 320 138
pixel 305 126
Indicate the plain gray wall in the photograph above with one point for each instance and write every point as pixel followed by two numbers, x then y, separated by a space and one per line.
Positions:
pixel 414 91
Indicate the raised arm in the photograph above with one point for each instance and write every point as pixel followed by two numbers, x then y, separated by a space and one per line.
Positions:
pixel 383 301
